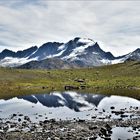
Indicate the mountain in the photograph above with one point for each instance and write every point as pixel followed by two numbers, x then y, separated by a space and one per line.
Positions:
pixel 47 50
pixel 9 58
pixel 84 52
pixel 18 54
pixel 50 63
pixel 78 52
pixel 135 55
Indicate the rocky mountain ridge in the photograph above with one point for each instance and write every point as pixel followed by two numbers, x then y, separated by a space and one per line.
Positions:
pixel 78 52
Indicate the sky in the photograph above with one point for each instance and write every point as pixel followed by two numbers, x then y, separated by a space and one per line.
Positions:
pixel 115 25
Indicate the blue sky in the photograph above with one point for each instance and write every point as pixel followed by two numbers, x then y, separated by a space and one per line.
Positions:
pixel 115 25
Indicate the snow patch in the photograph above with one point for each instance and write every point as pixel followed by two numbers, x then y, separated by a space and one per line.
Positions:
pixel 62 47
pixel 105 61
pixel 115 61
pixel 55 55
pixel 79 50
pixel 85 40
pixel 94 53
pixel 13 62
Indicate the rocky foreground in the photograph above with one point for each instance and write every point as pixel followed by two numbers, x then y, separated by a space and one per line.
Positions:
pixel 65 130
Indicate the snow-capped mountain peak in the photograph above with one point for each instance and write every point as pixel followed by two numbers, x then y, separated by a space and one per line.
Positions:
pixel 82 52
pixel 80 48
pixel 86 41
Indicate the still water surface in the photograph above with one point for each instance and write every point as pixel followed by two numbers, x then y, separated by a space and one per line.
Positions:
pixel 68 105
pixel 72 105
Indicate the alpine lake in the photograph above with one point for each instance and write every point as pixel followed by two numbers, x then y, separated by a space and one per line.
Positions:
pixel 70 115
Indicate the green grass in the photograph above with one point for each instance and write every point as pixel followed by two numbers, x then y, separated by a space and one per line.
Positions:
pixel 120 79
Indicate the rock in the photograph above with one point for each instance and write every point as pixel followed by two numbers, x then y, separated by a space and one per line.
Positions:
pixel 112 107
pixel 92 138
pixel 46 121
pixel 65 129
pixel 20 115
pixel 135 128
pixel 123 116
pixel 7 121
pixel 5 128
pixel 33 128
pixel 80 120
pixel 107 138
pixel 27 118
pixel 136 108
pixel 103 131
pixel 118 112
pixel 108 127
pixel 92 127
pixel 24 124
pixel 52 120
pixel 96 109
pixel 136 138
pixel 13 115
pixel 137 133
pixel 71 87
pixel 12 125
pixel 82 87
pixel 41 123
pixel 56 138
pixel 19 119
pixel 39 115
pixel 94 117
pixel 80 80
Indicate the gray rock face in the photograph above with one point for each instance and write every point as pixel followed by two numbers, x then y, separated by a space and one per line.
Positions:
pixel 46 50
pixel 50 63
pixel 135 56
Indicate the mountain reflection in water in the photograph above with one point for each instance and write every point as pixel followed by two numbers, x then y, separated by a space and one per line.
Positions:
pixel 71 100
pixel 69 105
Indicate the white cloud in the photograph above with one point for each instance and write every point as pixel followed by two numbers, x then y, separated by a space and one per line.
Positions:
pixel 25 23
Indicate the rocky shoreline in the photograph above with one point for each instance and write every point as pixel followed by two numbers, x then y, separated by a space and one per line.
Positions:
pixel 62 130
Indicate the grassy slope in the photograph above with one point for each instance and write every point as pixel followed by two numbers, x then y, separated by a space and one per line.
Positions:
pixel 121 79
